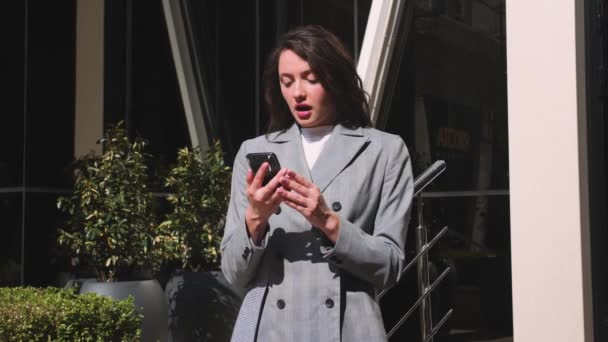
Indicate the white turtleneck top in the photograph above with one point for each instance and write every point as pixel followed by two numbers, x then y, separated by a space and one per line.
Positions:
pixel 313 140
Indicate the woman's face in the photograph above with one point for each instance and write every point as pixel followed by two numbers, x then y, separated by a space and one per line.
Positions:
pixel 309 103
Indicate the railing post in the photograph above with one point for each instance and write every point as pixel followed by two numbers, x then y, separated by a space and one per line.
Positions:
pixel 426 318
pixel 421 260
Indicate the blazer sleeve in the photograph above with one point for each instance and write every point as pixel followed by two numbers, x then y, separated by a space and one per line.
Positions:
pixel 239 254
pixel 379 258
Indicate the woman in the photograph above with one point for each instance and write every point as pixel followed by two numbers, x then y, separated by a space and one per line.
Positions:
pixel 314 245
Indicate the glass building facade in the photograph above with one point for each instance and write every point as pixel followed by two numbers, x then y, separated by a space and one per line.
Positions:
pixel 445 94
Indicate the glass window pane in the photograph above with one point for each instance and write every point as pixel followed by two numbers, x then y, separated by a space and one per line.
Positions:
pixel 449 102
pixel 235 56
pixel 10 244
pixel 347 19
pixel 228 44
pixel 141 86
pixel 12 23
pixel 478 287
pixel 336 15
pixel 596 53
pixel 223 42
pixel 157 112
pixel 50 92
pixel 44 265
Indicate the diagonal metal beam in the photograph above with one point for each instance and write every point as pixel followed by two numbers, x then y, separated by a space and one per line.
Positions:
pixel 381 43
pixel 194 101
pixel 417 303
pixel 424 250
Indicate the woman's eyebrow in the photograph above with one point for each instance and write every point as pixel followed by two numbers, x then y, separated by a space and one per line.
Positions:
pixel 303 73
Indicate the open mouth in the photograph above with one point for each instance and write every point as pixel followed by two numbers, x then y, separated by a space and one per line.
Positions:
pixel 303 108
pixel 303 111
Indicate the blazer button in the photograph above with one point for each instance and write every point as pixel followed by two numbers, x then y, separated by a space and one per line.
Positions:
pixel 336 206
pixel 280 304
pixel 278 211
pixel 329 303
pixel 246 253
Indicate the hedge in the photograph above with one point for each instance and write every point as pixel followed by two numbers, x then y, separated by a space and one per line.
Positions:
pixel 53 314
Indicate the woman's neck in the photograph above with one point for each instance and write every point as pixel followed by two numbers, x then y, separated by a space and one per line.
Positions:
pixel 316 133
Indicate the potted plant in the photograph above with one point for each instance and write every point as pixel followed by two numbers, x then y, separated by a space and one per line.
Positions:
pixel 112 231
pixel 202 305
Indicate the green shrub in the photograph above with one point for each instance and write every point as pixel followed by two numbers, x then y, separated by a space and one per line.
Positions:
pixel 52 314
pixel 199 188
pixel 111 227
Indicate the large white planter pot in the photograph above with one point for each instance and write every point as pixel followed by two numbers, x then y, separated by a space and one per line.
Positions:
pixel 149 299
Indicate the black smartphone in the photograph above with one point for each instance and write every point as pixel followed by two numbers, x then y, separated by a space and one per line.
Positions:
pixel 256 160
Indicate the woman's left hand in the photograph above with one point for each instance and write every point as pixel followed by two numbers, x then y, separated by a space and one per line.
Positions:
pixel 306 198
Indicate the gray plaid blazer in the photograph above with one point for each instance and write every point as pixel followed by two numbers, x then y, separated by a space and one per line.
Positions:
pixel 299 286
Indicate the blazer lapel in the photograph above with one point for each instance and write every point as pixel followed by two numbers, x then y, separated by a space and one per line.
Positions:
pixel 293 153
pixel 338 152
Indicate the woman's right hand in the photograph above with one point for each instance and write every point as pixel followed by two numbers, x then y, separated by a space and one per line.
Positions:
pixel 263 201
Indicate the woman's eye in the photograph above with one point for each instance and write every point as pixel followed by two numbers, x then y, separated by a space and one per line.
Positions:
pixel 313 80
pixel 286 83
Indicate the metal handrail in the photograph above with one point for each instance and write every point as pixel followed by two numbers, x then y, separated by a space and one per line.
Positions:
pixel 418 256
pixel 428 176
pixel 418 302
pixel 421 260
pixel 439 325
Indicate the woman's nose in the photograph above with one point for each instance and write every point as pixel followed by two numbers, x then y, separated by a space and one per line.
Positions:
pixel 298 91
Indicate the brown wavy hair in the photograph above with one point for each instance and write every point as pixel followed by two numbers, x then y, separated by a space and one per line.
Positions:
pixel 332 65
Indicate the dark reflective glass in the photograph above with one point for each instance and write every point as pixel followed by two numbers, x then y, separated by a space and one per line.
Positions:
pixel 231 48
pixel 449 100
pixel 235 77
pixel 477 247
pixel 338 16
pixel 44 264
pixel 157 112
pixel 141 82
pixel 596 60
pixel 12 33
pixel 50 92
pixel 478 287
pixel 10 243
pixel 222 43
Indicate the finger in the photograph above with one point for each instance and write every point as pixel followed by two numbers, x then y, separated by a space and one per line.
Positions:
pixel 270 188
pixel 274 183
pixel 249 177
pixel 293 197
pixel 295 206
pixel 291 184
pixel 301 180
pixel 285 175
pixel 259 176
pixel 276 198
